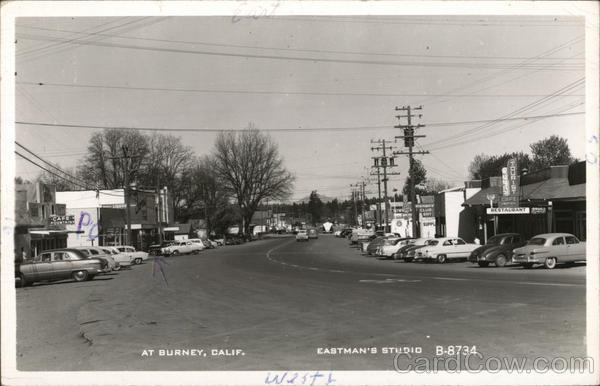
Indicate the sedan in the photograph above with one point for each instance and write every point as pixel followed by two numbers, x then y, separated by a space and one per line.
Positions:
pixel 497 250
pixel 550 249
pixel 302 235
pixel 121 258
pixel 59 264
pixel 390 246
pixel 98 253
pixel 182 247
pixel 446 249
pixel 137 256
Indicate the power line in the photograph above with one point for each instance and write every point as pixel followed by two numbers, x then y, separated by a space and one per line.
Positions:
pixel 75 181
pixel 49 171
pixel 188 42
pixel 293 129
pixel 509 115
pixel 297 58
pixel 196 90
pixel 38 157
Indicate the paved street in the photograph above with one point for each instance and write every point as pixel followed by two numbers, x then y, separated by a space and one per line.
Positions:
pixel 279 302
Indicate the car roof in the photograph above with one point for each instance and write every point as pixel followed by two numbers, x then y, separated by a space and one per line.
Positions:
pixel 60 250
pixel 506 234
pixel 549 235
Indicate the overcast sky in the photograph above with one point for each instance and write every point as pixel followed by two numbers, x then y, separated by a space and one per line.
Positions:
pixel 343 72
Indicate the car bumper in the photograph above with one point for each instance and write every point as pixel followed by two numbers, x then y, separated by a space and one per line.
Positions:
pixel 520 259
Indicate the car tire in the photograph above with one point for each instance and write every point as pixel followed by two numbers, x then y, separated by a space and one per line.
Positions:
pixel 117 268
pixel 80 276
pixel 550 262
pixel 528 265
pixel 441 258
pixel 24 282
pixel 138 260
pixel 483 264
pixel 408 259
pixel 175 252
pixel 500 260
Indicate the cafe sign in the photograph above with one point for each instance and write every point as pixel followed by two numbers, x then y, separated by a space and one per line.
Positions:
pixel 62 220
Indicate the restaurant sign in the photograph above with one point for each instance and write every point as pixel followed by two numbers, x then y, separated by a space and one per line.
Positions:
pixel 516 210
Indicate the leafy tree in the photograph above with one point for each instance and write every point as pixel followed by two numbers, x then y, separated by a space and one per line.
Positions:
pixel 550 151
pixel 418 174
pixel 315 207
pixel 434 185
pixel 250 169
pixel 485 166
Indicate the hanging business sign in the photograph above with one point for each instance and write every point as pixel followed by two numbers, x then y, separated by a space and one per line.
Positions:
pixel 505 183
pixel 515 210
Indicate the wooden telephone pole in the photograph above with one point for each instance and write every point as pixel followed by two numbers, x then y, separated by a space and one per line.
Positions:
pixel 384 162
pixel 409 142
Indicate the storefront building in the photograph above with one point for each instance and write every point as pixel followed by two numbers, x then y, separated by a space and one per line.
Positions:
pixel 100 217
pixel 40 222
pixel 452 219
pixel 548 200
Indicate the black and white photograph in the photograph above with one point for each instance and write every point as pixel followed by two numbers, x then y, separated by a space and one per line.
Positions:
pixel 299 193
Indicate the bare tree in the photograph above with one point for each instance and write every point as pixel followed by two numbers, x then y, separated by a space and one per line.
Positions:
pixel 104 164
pixel 250 168
pixel 169 162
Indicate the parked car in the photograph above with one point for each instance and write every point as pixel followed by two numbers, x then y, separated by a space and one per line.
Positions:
pixel 220 242
pixel 137 256
pixel 302 235
pixel 345 232
pixel 390 246
pixel 363 245
pixel 156 249
pixel 59 264
pixel 312 234
pixel 123 259
pixel 401 252
pixel 359 235
pixel 98 253
pixel 233 240
pixel 447 248
pixel 337 233
pixel 498 250
pixel 410 253
pixel 182 247
pixel 201 244
pixel 378 241
pixel 550 249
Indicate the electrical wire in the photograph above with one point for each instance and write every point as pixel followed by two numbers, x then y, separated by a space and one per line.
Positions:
pixel 188 42
pixel 293 129
pixel 202 90
pixel 297 58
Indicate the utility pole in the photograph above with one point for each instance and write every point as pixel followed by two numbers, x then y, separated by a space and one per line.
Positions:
pixel 126 191
pixel 360 189
pixel 384 162
pixel 409 142
pixel 158 211
pixel 354 201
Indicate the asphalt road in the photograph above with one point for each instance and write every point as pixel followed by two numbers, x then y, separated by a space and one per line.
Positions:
pixel 279 304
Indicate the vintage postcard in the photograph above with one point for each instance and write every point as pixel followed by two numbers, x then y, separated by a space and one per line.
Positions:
pixel 299 193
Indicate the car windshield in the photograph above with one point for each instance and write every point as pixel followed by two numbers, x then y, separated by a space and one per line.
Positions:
pixel 432 242
pixel 494 240
pixel 537 241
